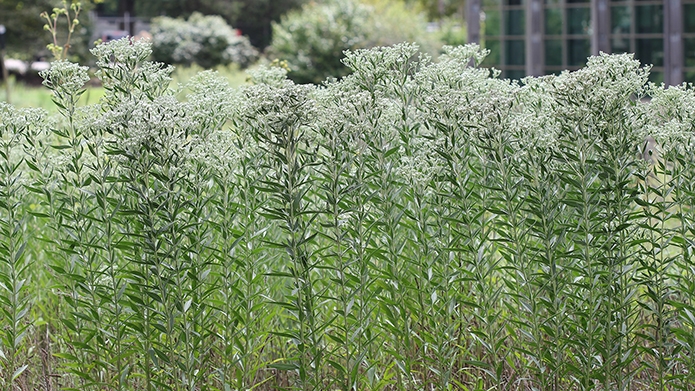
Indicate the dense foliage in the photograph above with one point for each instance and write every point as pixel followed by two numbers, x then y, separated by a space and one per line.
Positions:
pixel 417 225
pixel 207 41
pixel 25 36
pixel 253 17
pixel 312 40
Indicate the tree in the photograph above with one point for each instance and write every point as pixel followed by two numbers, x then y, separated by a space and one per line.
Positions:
pixel 438 9
pixel 26 37
pixel 252 17
pixel 206 40
pixel 313 40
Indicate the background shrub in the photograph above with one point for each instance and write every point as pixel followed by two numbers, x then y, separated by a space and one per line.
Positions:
pixel 313 39
pixel 204 40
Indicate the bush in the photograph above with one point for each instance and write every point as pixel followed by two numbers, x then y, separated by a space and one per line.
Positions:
pixel 204 40
pixel 416 225
pixel 452 32
pixel 313 39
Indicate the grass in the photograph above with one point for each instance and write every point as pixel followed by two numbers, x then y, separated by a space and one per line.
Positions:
pixel 22 95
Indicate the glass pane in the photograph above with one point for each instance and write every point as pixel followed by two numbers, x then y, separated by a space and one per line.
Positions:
pixel 555 72
pixel 493 59
pixel 689 18
pixel 514 74
pixel 491 3
pixel 553 52
pixel 552 2
pixel 690 76
pixel 577 1
pixel 514 22
pixel 515 52
pixel 620 20
pixel 492 23
pixel 620 43
pixel 577 51
pixel 656 77
pixel 650 51
pixel 689 46
pixel 553 21
pixel 649 19
pixel 514 2
pixel 578 20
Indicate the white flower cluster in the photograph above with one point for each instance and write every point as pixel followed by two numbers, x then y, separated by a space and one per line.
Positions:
pixel 276 110
pixel 15 121
pixel 218 151
pixel 462 57
pixel 159 128
pixel 270 75
pixel 348 117
pixel 536 125
pixel 600 97
pixel 211 100
pixel 670 116
pixel 66 80
pixel 122 51
pixel 422 166
pixel 19 130
pixel 126 73
pixel 385 69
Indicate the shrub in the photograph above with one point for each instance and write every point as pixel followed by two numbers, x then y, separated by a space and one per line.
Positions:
pixel 452 32
pixel 204 40
pixel 416 225
pixel 313 39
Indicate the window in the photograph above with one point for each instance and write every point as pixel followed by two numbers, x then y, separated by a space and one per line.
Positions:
pixel 553 21
pixel 515 52
pixel 578 20
pixel 689 40
pixel 494 58
pixel 650 51
pixel 578 51
pixel 621 20
pixel 553 52
pixel 567 29
pixel 637 26
pixel 649 19
pixel 514 22
pixel 504 30
pixel 689 18
pixel 689 51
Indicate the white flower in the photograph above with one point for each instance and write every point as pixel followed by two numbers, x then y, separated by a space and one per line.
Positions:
pixel 66 80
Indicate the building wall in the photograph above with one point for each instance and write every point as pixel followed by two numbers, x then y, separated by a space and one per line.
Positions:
pixel 536 37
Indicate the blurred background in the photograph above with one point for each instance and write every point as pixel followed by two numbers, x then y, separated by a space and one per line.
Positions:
pixel 525 37
pixel 230 35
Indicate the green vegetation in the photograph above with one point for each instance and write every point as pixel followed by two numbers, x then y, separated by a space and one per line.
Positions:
pixel 313 40
pixel 27 96
pixel 416 225
pixel 26 36
pixel 207 41
pixel 253 17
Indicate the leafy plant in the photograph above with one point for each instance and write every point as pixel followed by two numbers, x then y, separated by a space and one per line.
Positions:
pixel 417 224
pixel 207 41
pixel 313 40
